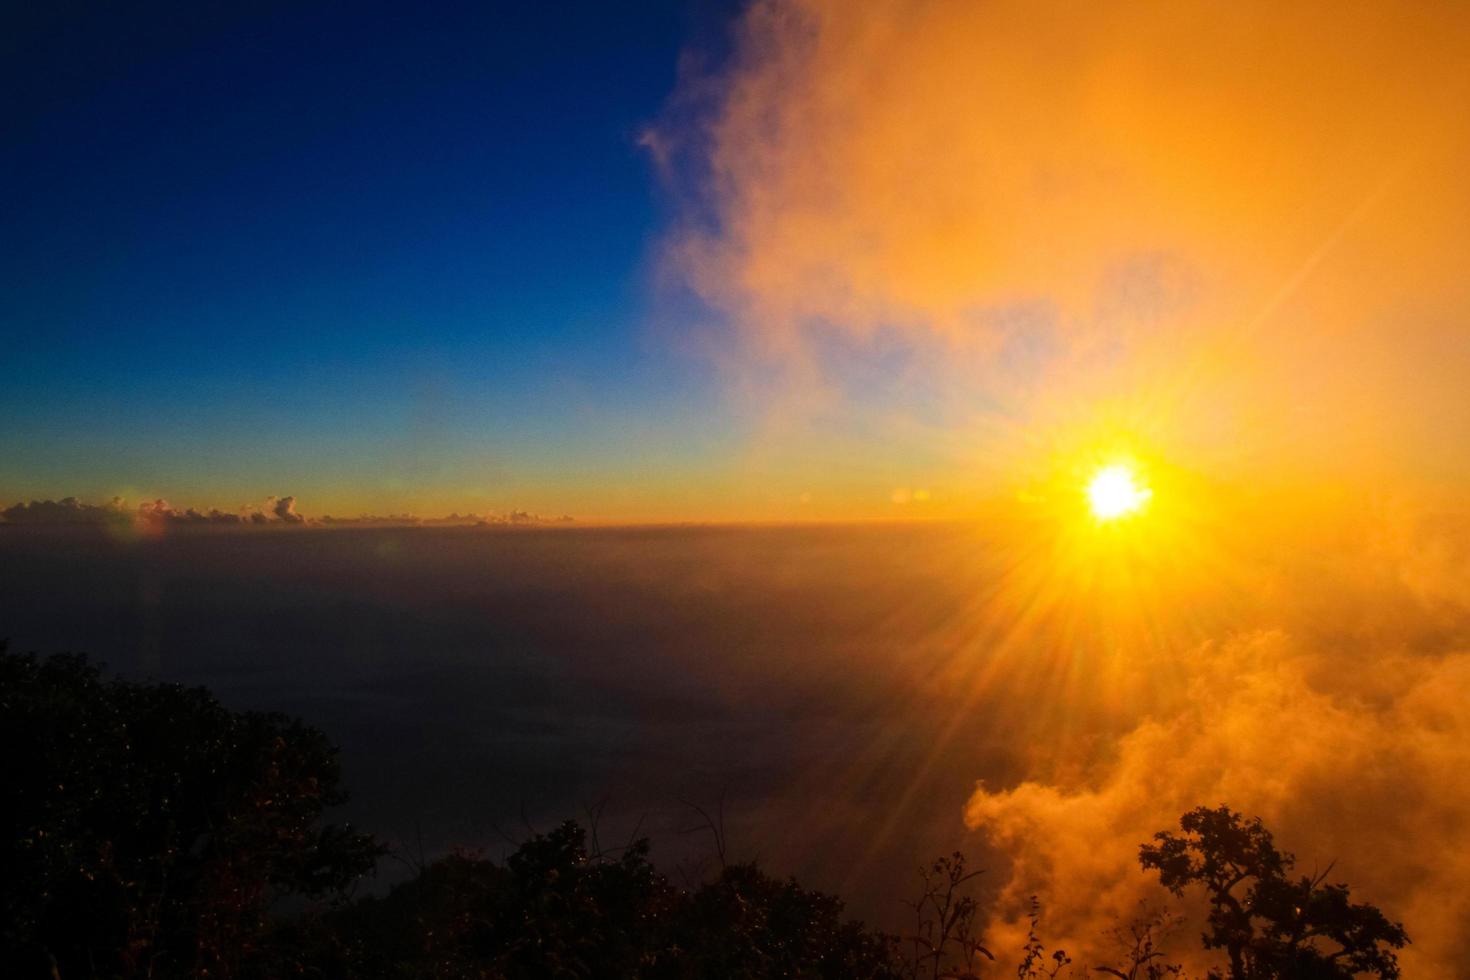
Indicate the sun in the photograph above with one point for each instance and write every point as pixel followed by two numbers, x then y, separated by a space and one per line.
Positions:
pixel 1115 491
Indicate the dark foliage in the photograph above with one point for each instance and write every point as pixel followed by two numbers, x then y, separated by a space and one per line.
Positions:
pixel 1271 925
pixel 555 910
pixel 152 832
pixel 1141 944
pixel 944 943
pixel 149 831
pixel 1035 964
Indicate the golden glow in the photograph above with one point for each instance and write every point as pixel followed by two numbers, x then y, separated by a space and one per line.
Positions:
pixel 1115 491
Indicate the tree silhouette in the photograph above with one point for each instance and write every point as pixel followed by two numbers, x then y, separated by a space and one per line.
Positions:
pixel 944 937
pixel 1271 925
pixel 147 830
pixel 557 908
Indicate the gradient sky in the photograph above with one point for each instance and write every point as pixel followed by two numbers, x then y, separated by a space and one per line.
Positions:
pixel 783 260
pixel 775 260
pixel 383 260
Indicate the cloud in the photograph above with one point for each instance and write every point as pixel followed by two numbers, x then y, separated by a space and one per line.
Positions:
pixel 284 509
pixel 149 515
pixel 455 519
pixel 1339 778
pixel 158 514
pixel 1338 717
pixel 513 517
pixel 902 163
pixel 68 510
pixel 372 520
pixel 1240 217
pixel 162 512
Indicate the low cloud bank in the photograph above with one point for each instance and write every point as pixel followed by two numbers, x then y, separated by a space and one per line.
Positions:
pixel 155 513
pixel 273 511
pixel 514 517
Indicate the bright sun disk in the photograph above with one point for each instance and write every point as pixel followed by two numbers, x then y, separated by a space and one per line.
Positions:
pixel 1115 491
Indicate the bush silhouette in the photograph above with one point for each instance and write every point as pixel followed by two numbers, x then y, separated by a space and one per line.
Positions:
pixel 1269 924
pixel 555 909
pixel 149 831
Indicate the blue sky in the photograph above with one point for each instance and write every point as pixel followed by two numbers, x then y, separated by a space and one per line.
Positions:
pixel 377 256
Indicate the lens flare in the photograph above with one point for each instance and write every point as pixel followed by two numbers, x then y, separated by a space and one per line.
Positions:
pixel 1115 491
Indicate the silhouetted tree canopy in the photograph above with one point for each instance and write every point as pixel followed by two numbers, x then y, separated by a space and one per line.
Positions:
pixel 152 832
pixel 1269 924
pixel 554 909
pixel 149 831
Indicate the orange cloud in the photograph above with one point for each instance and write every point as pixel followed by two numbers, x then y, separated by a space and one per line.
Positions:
pixel 1369 782
pixel 1239 220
